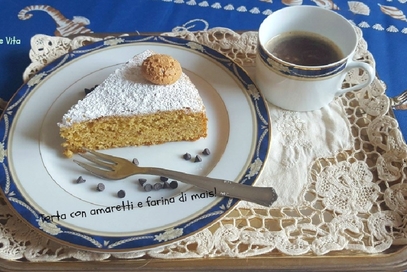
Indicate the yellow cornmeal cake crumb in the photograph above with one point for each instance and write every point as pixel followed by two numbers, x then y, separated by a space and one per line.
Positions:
pixel 127 110
pixel 110 132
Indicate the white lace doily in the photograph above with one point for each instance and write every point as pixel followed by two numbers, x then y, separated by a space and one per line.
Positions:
pixel 341 189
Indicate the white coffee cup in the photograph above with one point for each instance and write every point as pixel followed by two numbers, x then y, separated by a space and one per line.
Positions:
pixel 306 88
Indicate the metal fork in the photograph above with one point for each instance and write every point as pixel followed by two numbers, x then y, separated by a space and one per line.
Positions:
pixel 399 102
pixel 111 167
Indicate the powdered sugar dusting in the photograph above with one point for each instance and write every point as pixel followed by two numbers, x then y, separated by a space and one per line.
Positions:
pixel 126 92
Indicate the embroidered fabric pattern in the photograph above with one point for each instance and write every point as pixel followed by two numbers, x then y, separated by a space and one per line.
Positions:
pixel 339 174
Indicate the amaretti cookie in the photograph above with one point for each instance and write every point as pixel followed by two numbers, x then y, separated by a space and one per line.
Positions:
pixel 161 69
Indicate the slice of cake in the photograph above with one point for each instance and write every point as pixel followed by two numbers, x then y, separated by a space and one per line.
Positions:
pixel 126 109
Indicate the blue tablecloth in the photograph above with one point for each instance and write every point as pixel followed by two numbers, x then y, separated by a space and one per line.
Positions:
pixel 382 21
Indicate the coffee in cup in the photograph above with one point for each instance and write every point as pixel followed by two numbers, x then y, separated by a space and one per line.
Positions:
pixel 304 53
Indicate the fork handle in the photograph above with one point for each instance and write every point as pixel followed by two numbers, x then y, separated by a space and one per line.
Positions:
pixel 265 196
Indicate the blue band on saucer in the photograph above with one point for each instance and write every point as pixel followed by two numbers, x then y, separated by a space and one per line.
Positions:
pixel 304 72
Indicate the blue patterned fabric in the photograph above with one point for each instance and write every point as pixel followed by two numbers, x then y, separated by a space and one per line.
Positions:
pixel 383 23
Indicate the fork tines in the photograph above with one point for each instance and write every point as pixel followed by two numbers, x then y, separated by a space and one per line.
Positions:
pixel 102 161
pixel 99 155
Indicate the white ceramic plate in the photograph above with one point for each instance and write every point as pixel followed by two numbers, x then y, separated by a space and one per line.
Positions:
pixel 40 183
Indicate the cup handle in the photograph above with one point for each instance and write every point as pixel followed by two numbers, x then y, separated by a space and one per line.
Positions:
pixel 358 65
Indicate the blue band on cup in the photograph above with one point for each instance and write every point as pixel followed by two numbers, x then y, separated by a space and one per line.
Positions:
pixel 305 72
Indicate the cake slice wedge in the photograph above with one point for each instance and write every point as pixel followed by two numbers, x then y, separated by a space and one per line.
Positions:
pixel 128 110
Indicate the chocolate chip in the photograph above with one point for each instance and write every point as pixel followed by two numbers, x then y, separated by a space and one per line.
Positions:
pixel 173 184
pixel 121 193
pixel 135 161
pixel 142 181
pixel 89 90
pixel 166 185
pixel 197 158
pixel 206 151
pixel 80 180
pixel 157 186
pixel 187 156
pixel 163 178
pixel 100 187
pixel 148 187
